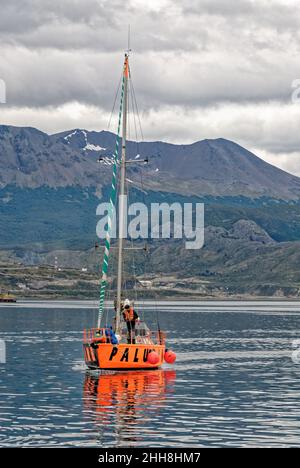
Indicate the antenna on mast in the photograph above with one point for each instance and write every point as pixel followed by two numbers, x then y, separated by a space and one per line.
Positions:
pixel 128 40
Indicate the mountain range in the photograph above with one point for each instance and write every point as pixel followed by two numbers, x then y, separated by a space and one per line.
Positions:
pixel 50 186
pixel 30 158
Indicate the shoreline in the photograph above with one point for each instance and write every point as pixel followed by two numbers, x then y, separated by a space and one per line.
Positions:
pixel 167 301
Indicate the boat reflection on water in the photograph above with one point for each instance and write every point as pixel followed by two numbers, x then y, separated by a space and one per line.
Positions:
pixel 121 404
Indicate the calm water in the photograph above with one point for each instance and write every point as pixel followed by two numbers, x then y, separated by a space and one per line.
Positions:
pixel 234 383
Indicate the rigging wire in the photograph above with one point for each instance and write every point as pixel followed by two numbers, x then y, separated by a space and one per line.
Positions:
pixel 134 114
pixel 115 100
pixel 147 257
pixel 136 139
pixel 136 106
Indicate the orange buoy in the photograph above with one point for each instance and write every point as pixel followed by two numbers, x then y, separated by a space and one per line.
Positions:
pixel 170 357
pixel 153 357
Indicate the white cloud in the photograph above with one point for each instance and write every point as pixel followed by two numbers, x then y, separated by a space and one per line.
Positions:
pixel 289 162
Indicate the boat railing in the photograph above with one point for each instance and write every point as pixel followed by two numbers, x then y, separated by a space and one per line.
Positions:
pixel 142 336
pixel 94 334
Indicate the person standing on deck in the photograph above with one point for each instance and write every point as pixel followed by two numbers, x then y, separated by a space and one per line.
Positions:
pixel 130 316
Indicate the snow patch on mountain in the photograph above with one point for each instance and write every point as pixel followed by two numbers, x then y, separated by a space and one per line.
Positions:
pixel 67 137
pixel 88 146
pixel 91 147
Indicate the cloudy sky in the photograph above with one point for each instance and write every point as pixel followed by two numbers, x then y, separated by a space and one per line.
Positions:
pixel 201 68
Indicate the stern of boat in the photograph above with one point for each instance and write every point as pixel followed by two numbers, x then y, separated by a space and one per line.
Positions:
pixel 100 353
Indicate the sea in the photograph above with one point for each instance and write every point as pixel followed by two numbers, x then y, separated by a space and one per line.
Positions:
pixel 235 382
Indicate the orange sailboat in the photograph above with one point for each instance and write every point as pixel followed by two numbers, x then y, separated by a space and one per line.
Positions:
pixel 101 353
pixel 129 343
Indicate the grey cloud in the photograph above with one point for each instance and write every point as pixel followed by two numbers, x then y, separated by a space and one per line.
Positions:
pixel 217 7
pixel 47 77
pixel 54 52
pixel 278 14
pixel 176 25
pixel 209 58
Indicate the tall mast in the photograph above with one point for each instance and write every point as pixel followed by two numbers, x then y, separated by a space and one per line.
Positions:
pixel 122 233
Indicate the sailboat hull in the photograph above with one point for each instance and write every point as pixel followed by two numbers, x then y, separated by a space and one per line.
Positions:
pixel 122 356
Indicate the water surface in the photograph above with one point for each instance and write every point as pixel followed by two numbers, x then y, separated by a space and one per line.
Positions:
pixel 234 383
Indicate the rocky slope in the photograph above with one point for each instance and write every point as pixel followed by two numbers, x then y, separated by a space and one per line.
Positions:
pixel 242 261
pixel 30 158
